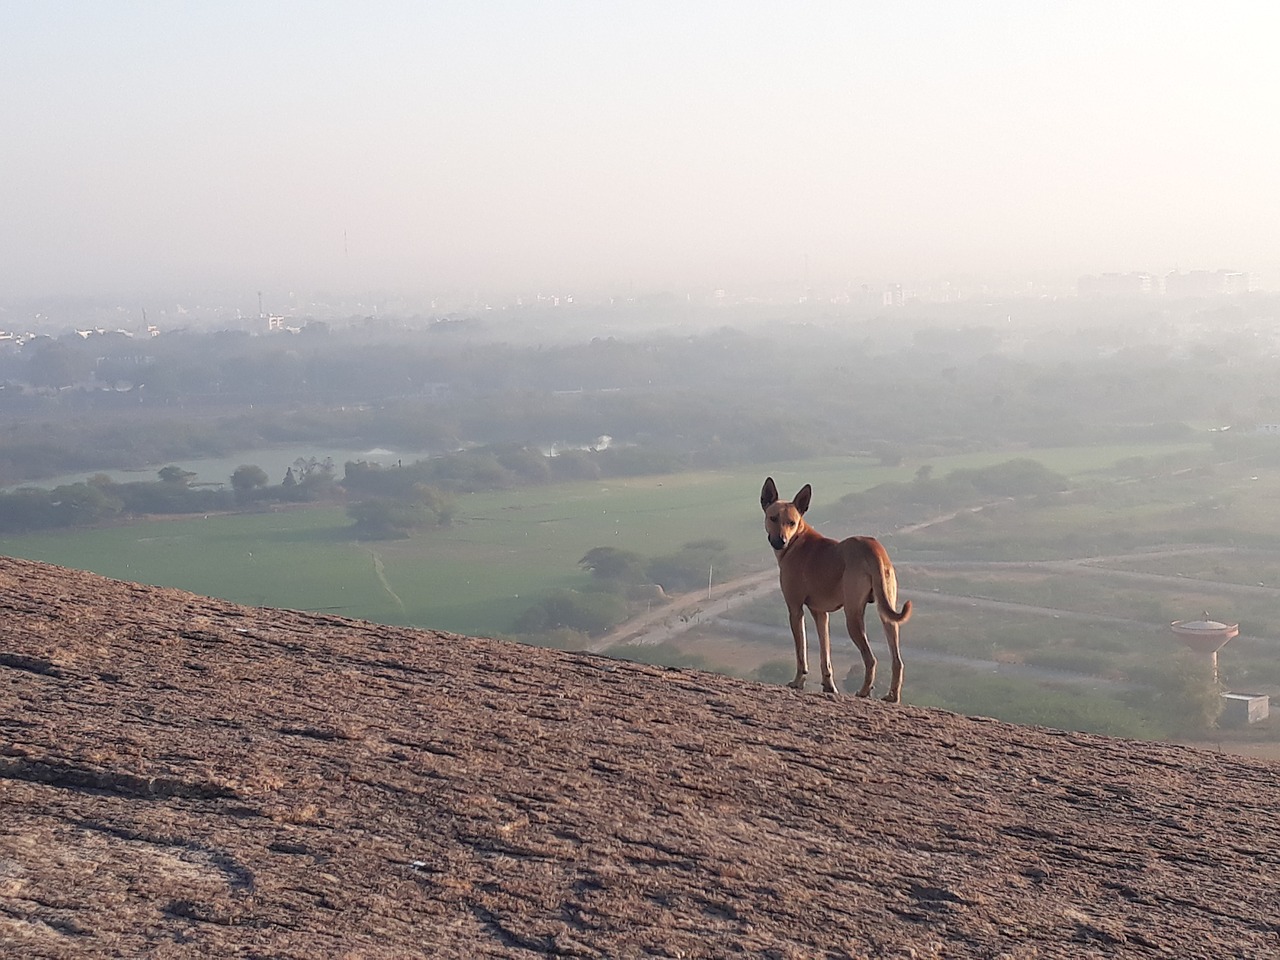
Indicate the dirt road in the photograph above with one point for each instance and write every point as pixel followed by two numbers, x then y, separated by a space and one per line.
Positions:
pixel 687 610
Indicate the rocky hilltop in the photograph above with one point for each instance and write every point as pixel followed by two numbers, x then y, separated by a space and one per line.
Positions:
pixel 182 776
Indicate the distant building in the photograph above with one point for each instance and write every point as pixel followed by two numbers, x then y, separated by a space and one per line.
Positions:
pixel 1117 285
pixel 1236 283
pixel 1206 283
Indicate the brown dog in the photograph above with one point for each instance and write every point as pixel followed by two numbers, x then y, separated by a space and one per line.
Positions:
pixel 817 572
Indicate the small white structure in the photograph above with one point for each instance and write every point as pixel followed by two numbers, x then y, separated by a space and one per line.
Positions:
pixel 1242 709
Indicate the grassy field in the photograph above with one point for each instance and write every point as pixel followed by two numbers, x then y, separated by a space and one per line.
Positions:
pixel 505 549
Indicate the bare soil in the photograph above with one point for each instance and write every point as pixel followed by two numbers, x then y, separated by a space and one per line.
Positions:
pixel 184 777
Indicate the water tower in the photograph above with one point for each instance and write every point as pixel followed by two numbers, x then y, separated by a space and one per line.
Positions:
pixel 1206 637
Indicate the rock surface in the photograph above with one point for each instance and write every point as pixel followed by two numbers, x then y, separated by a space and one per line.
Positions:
pixel 182 776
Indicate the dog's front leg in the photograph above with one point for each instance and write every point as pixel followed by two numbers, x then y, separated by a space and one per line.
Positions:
pixel 802 657
pixel 822 620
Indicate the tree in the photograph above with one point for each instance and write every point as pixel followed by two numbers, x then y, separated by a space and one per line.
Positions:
pixel 527 463
pixel 309 468
pixel 314 478
pixel 890 454
pixel 247 478
pixel 1013 478
pixel 1183 693
pixel 690 568
pixel 80 503
pixel 592 613
pixel 57 365
pixel 434 502
pixel 176 475
pixel 610 563
pixel 381 518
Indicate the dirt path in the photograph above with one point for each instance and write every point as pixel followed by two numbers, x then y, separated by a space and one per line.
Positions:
pixel 687 610
pixel 380 572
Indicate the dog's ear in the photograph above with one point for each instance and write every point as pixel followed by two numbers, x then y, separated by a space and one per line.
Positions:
pixel 768 493
pixel 801 502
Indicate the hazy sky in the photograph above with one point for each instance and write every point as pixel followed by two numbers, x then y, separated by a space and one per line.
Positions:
pixel 419 146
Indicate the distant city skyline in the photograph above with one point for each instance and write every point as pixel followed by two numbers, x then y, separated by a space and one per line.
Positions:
pixel 151 314
pixel 494 149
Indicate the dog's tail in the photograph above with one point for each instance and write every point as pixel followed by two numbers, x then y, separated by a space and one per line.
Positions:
pixel 888 613
pixel 885 589
pixel 901 616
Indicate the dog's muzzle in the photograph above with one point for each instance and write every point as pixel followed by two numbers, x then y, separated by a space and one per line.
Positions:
pixel 777 542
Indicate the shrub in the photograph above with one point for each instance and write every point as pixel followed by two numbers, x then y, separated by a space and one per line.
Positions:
pixel 590 613
pixel 690 567
pixel 775 671
pixel 381 518
pixel 1180 693
pixel 610 563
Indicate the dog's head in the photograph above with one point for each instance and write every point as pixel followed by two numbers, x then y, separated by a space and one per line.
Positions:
pixel 783 519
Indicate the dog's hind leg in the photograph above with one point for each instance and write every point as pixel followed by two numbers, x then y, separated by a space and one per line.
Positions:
pixel 802 657
pixel 855 619
pixel 822 620
pixel 895 686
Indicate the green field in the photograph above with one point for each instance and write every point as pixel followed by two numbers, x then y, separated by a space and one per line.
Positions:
pixel 504 550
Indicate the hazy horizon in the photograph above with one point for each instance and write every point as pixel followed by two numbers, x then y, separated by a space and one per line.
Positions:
pixel 505 146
